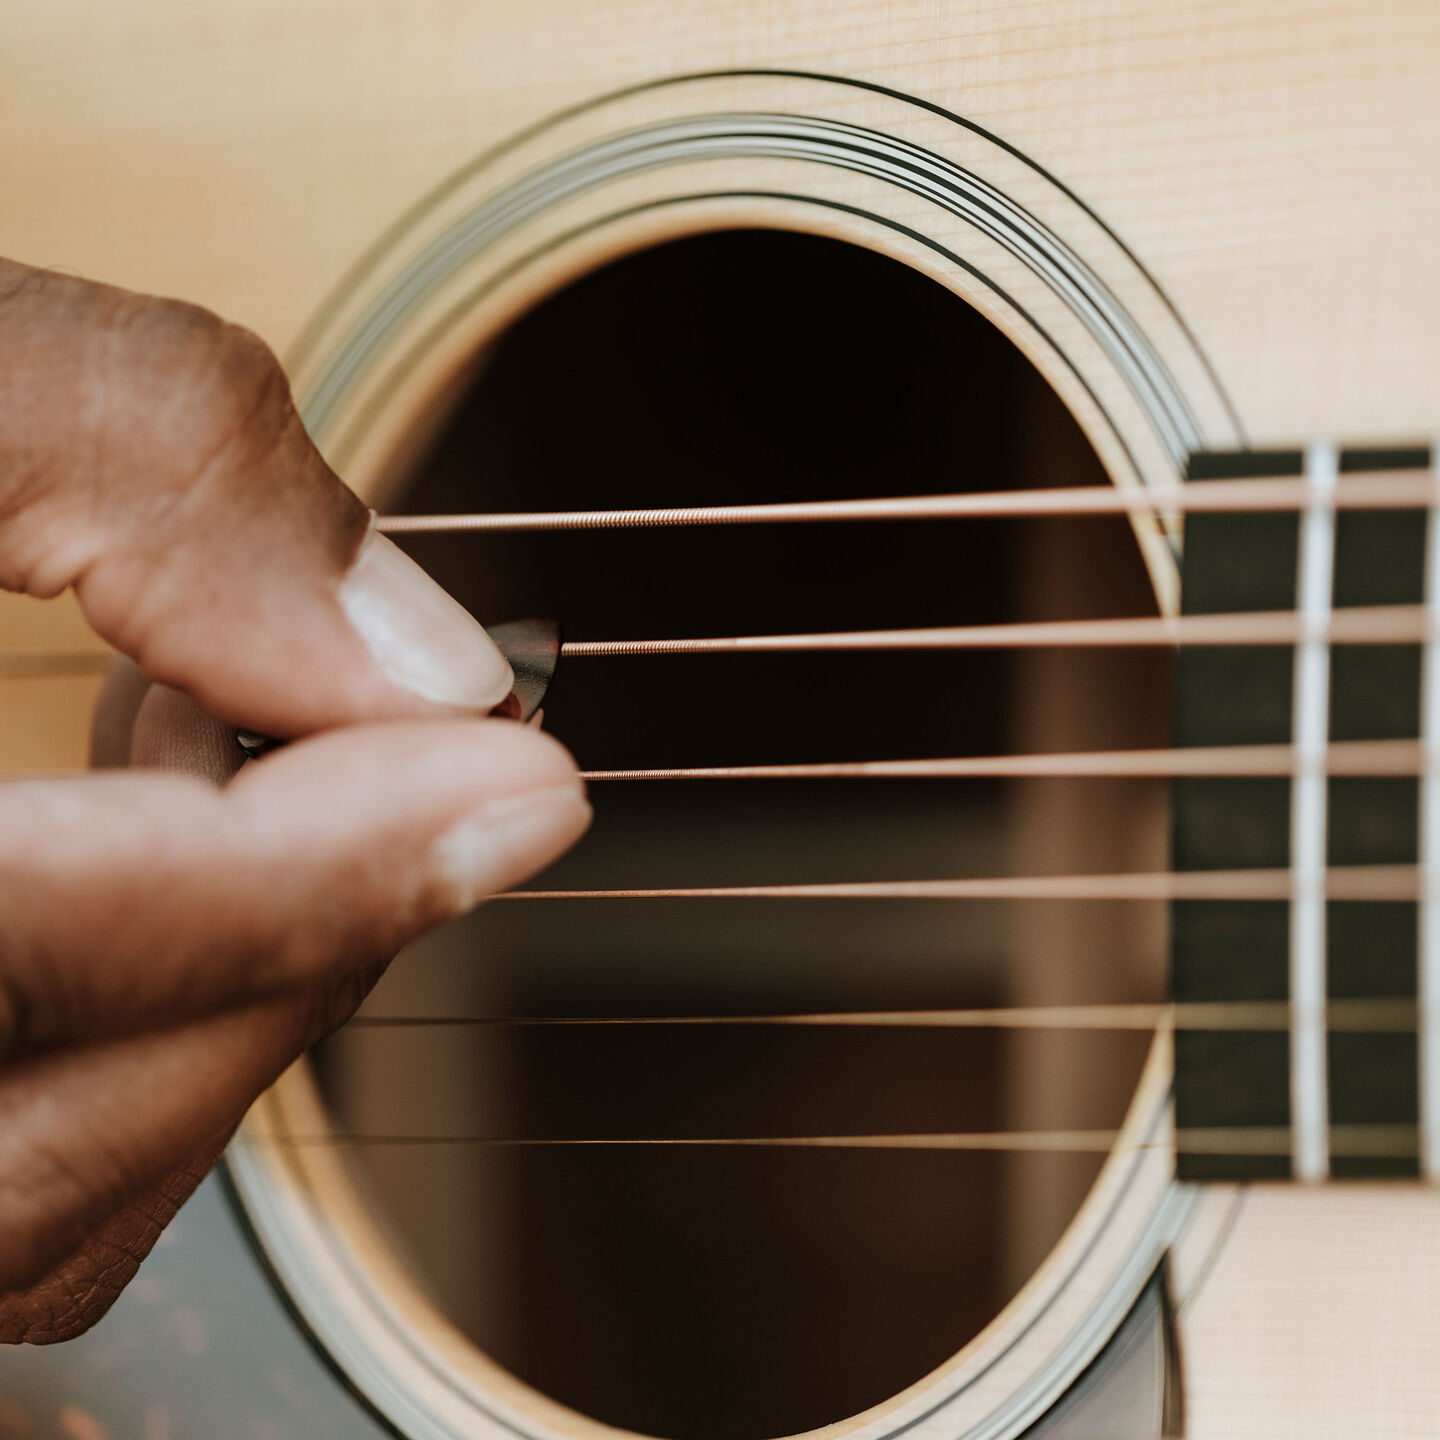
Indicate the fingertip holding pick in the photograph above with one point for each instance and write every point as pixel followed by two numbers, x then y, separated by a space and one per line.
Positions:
pixel 254 744
pixel 531 646
pixel 533 649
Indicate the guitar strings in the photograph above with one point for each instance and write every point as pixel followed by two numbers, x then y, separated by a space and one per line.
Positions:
pixel 1399 758
pixel 1367 625
pixel 1373 625
pixel 1375 1140
pixel 1380 1015
pixel 1340 882
pixel 1380 490
pixel 1368 1141
pixel 1354 625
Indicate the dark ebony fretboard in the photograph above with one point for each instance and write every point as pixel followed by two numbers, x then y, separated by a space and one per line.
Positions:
pixel 1346 1096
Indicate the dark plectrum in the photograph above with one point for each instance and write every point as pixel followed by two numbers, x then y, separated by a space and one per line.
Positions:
pixel 255 745
pixel 531 646
pixel 533 649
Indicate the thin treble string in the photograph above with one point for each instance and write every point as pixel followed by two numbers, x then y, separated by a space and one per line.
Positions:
pixel 1379 1015
pixel 1353 625
pixel 1379 490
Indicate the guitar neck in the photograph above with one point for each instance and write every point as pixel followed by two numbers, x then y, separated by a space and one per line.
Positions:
pixel 1325 1097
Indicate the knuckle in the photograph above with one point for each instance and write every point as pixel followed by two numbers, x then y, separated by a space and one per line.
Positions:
pixel 205 388
pixel 221 385
pixel 245 392
pixel 247 383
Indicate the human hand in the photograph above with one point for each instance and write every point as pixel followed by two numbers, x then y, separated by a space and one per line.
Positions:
pixel 168 946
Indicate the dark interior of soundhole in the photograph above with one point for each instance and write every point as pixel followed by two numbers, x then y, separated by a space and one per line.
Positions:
pixel 699 1292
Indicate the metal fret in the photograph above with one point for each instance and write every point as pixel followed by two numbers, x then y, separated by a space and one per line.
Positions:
pixel 1309 1100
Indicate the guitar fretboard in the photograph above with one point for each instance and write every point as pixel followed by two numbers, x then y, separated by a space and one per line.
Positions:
pixel 1349 1100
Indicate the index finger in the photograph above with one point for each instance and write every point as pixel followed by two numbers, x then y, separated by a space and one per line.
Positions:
pixel 151 457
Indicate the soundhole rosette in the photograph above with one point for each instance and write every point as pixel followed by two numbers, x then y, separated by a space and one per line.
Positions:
pixel 381 365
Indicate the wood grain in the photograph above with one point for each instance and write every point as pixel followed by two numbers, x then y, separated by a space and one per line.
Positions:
pixel 1322 1318
pixel 1272 163
pixel 1274 166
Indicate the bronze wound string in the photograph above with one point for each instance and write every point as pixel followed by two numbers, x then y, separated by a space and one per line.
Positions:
pixel 1357 625
pixel 1360 1140
pixel 1377 1016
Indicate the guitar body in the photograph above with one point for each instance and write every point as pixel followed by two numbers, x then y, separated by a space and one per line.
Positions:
pixel 1208 225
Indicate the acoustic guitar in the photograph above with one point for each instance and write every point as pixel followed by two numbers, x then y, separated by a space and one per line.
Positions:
pixel 982 460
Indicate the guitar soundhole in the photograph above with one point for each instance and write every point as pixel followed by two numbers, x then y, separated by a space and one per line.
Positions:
pixel 698 1292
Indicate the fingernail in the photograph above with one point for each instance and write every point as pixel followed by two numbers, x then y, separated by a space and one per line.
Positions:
pixel 422 639
pixel 506 841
